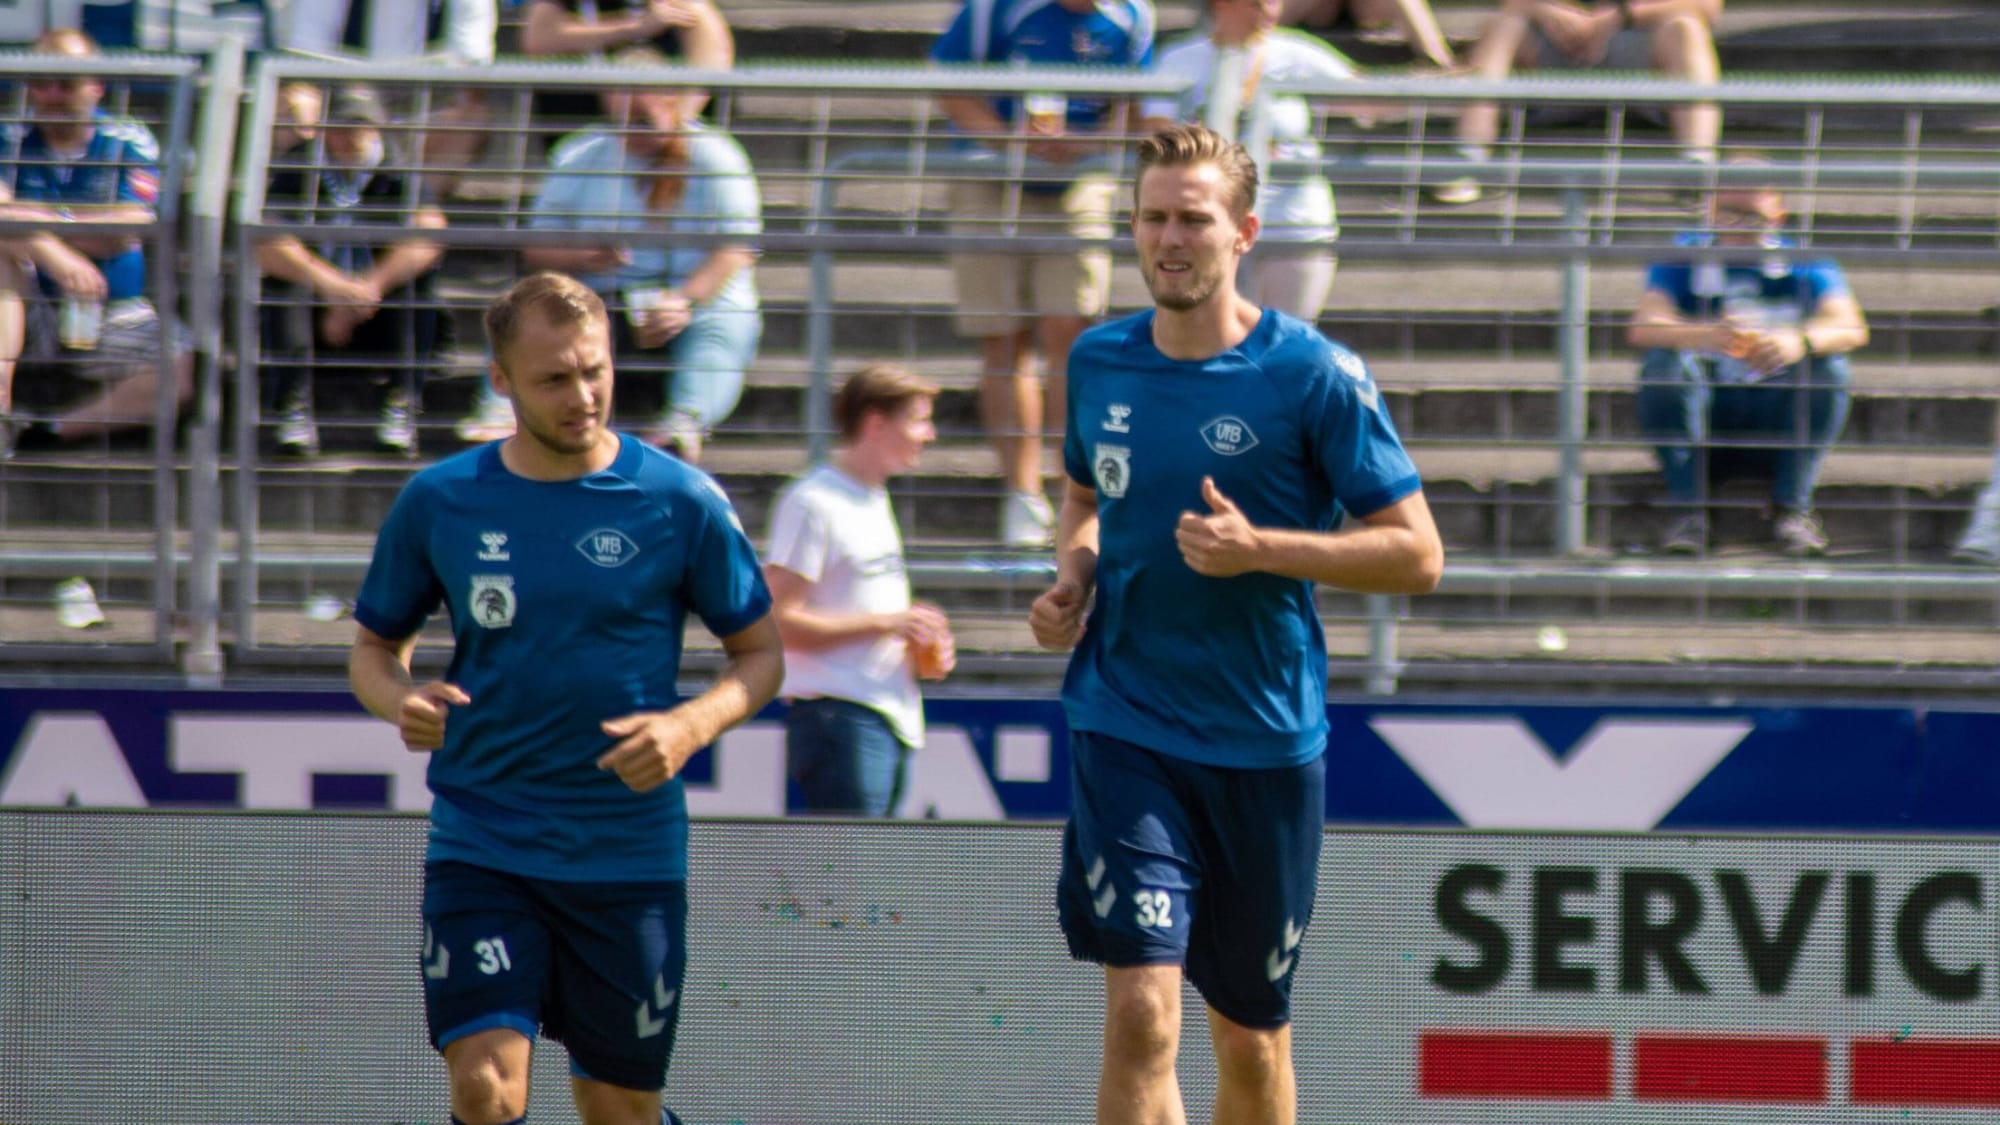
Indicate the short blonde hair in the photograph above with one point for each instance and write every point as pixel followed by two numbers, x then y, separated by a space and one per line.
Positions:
pixel 70 41
pixel 560 299
pixel 1184 146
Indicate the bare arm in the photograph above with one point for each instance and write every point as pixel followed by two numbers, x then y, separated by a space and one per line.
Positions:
pixel 806 629
pixel 708 278
pixel 973 115
pixel 810 630
pixel 288 259
pixel 1394 551
pixel 1837 326
pixel 749 680
pixel 1657 322
pixel 1056 618
pixel 1076 535
pixel 552 29
pixel 409 259
pixel 706 41
pixel 378 671
pixel 653 745
pixel 590 259
pixel 1652 13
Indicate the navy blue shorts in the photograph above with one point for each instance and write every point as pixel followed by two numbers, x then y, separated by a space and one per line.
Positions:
pixel 596 966
pixel 1171 862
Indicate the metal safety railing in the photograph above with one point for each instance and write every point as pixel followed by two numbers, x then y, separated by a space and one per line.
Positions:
pixel 62 597
pixel 1493 329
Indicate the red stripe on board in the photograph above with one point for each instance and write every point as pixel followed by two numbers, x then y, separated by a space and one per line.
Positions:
pixel 1716 1068
pixel 1924 1072
pixel 1494 1064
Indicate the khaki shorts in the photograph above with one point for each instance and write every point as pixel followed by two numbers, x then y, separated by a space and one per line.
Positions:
pixel 999 294
pixel 130 338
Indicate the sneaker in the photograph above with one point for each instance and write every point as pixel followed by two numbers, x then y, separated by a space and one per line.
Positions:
pixel 1979 543
pixel 1461 190
pixel 396 428
pixel 1798 533
pixel 1026 520
pixel 1687 535
pixel 76 605
pixel 1458 192
pixel 295 435
pixel 679 433
pixel 492 419
pixel 37 437
pixel 9 427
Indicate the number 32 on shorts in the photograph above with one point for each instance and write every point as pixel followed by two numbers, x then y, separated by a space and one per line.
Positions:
pixel 1155 909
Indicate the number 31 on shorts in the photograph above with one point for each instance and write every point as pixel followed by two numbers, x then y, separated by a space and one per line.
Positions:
pixel 1155 909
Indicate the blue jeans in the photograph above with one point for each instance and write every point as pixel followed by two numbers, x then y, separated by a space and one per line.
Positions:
pixel 709 361
pixel 845 757
pixel 1786 421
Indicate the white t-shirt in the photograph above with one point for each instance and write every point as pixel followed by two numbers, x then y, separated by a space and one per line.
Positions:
pixel 841 536
pixel 1294 210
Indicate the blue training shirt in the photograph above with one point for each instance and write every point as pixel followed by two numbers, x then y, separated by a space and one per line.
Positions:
pixel 1778 291
pixel 567 603
pixel 1224 671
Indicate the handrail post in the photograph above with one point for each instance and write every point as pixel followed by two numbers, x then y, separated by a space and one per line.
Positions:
pixel 1384 666
pixel 201 664
pixel 1572 390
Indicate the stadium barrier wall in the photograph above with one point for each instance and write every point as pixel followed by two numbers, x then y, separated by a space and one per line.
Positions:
pixel 1765 767
pixel 229 968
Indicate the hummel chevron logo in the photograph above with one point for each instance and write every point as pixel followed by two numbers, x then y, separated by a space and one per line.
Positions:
pixel 1107 896
pixel 437 958
pixel 648 1024
pixel 1625 774
pixel 1281 959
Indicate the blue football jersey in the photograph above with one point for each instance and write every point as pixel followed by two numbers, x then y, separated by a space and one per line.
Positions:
pixel 567 603
pixel 1043 32
pixel 121 164
pixel 1225 671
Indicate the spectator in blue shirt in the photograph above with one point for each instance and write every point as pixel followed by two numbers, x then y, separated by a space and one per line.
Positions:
pixel 74 167
pixel 1012 302
pixel 1749 346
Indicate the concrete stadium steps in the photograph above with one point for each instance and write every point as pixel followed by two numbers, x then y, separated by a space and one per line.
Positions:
pixel 1887 503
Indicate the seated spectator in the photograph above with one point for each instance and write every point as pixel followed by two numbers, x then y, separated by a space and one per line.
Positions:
pixel 301 105
pixel 1410 21
pixel 654 168
pixel 71 299
pixel 458 32
pixel 1013 302
pixel 692 32
pixel 1748 348
pixel 1674 38
pixel 343 308
pixel 1243 44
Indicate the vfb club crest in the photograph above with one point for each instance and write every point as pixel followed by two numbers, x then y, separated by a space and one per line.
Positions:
pixel 608 547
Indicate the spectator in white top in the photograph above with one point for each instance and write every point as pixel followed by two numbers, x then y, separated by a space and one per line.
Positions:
pixel 462 31
pixel 855 645
pixel 1241 47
